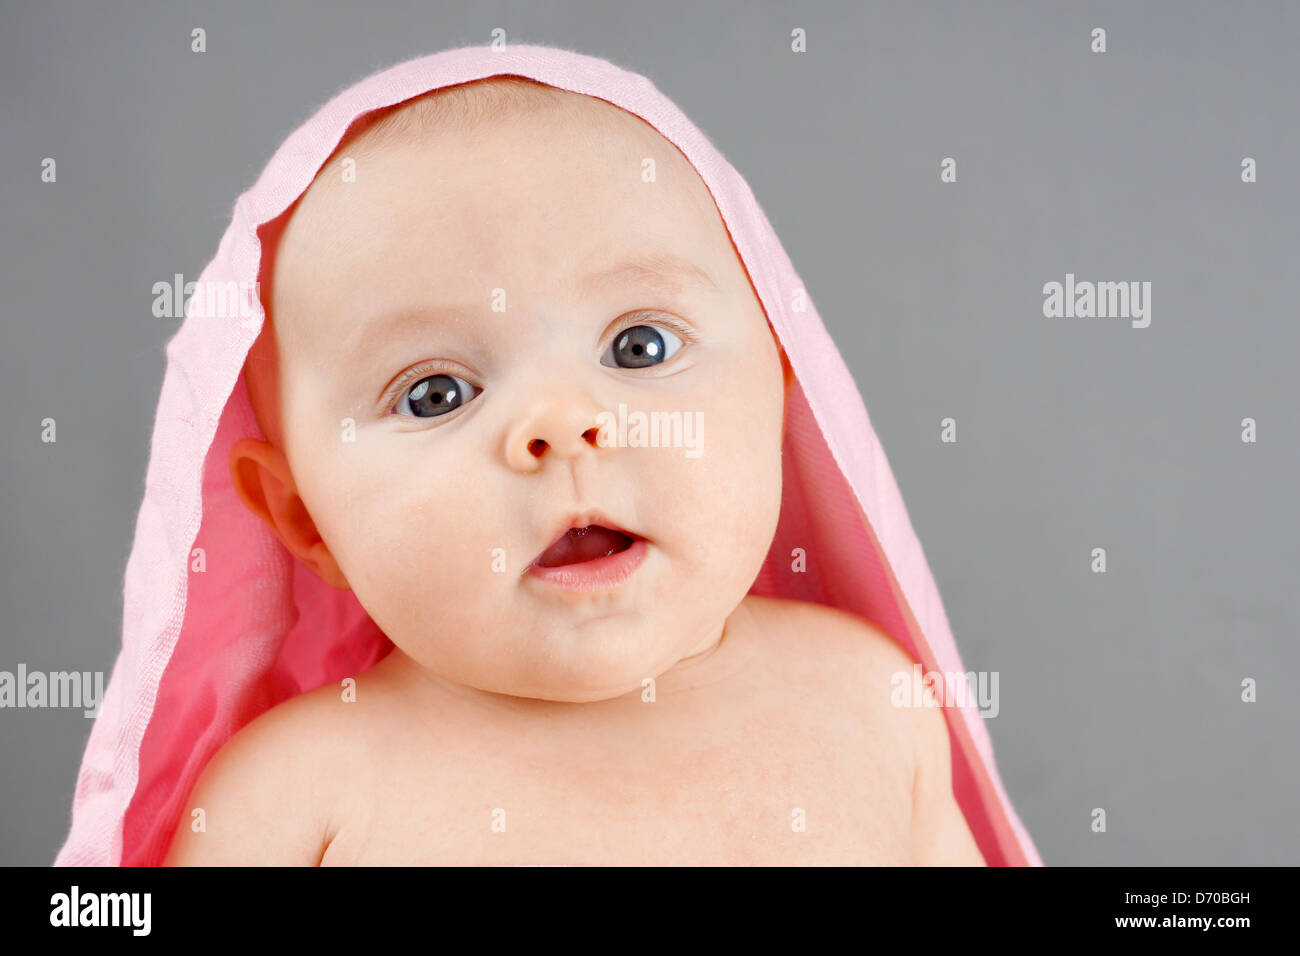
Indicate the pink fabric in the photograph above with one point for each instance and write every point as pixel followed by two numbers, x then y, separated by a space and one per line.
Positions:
pixel 206 651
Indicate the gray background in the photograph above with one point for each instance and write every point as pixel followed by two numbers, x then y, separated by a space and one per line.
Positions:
pixel 1118 690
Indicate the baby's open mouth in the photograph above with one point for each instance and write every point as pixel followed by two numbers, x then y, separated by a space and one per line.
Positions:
pixel 579 545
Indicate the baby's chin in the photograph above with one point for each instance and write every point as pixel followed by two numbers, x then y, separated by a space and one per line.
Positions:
pixel 599 660
pixel 607 666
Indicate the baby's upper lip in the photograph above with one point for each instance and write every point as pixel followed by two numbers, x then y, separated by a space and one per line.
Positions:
pixel 583 519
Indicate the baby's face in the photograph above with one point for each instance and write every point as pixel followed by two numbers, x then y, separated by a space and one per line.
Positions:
pixel 463 305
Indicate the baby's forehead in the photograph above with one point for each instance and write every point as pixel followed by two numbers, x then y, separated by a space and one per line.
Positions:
pixel 511 110
pixel 505 121
pixel 507 171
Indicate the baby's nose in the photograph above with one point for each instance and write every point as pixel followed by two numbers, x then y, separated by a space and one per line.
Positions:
pixel 557 428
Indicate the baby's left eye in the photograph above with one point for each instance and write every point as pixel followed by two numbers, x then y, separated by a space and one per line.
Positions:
pixel 641 346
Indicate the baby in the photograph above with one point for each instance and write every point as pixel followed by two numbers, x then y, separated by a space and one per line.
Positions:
pixel 472 288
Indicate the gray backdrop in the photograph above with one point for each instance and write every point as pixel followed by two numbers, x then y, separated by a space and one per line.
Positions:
pixel 1119 690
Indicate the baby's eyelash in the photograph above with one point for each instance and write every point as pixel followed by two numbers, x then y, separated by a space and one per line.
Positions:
pixel 656 318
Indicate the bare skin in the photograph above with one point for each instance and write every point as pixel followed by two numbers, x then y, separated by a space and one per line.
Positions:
pixel 513 722
pixel 775 747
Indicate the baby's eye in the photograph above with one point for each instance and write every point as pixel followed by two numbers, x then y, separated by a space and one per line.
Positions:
pixel 436 395
pixel 641 346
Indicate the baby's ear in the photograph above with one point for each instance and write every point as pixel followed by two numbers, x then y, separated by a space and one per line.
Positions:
pixel 262 480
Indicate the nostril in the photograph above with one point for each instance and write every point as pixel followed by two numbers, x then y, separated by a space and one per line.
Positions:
pixel 537 446
pixel 591 434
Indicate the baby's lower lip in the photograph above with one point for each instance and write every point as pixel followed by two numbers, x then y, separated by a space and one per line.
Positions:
pixel 598 574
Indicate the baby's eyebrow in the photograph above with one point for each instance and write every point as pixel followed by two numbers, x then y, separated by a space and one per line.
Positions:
pixel 376 329
pixel 662 270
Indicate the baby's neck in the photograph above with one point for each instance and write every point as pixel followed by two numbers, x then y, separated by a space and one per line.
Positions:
pixel 706 665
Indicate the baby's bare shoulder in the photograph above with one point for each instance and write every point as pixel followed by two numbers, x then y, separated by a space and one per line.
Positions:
pixel 828 637
pixel 266 796
pixel 843 661
pixel 872 660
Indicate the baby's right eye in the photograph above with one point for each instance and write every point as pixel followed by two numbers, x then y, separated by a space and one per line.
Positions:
pixel 435 395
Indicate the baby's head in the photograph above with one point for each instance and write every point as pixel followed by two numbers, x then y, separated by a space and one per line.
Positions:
pixel 476 288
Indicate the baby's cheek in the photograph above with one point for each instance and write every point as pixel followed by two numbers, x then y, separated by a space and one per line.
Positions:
pixel 731 491
pixel 414 539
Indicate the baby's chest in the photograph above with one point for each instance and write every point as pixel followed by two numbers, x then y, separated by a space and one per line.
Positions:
pixel 762 793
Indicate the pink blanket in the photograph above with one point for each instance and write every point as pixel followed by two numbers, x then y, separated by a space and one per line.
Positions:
pixel 206 651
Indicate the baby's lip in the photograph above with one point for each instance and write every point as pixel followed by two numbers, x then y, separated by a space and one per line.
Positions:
pixel 584 519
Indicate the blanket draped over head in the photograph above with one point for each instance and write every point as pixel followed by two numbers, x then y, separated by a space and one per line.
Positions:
pixel 220 623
